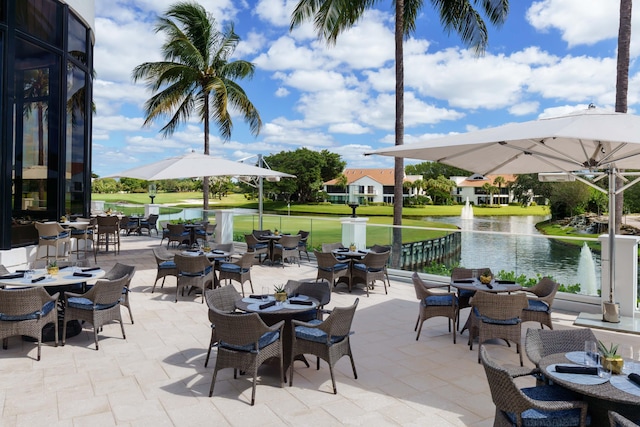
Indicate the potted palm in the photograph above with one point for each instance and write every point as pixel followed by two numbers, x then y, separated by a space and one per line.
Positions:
pixel 611 360
pixel 52 268
pixel 280 293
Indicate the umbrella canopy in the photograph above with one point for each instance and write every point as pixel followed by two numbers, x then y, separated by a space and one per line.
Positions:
pixel 590 139
pixel 195 165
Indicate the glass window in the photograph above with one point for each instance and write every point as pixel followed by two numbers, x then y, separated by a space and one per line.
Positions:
pixel 76 124
pixel 40 19
pixel 77 40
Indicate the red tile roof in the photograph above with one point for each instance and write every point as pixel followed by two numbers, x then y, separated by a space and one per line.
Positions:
pixel 382 176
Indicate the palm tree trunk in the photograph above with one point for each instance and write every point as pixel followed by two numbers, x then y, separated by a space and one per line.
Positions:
pixel 622 86
pixel 398 174
pixel 205 180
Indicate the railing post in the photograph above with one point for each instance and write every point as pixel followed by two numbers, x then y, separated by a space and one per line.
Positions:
pixel 224 226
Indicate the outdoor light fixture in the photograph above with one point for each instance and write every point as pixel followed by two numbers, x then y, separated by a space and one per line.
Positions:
pixel 556 177
pixel 152 192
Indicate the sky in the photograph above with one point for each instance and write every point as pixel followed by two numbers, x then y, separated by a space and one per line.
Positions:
pixel 550 57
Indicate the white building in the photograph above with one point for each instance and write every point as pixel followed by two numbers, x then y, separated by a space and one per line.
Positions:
pixel 471 187
pixel 366 186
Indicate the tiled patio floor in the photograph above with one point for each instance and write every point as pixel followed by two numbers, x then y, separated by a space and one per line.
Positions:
pixel 156 376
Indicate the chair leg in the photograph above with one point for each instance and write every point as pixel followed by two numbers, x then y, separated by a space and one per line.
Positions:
pixel 95 335
pixel 130 315
pixel 124 337
pixel 213 380
pixel 353 365
pixel 333 380
pixel 39 344
pixel 419 329
pixel 211 342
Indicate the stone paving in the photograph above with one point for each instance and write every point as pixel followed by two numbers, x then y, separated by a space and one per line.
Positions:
pixel 156 376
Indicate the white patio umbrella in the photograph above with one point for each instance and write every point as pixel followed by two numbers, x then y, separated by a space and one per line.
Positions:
pixel 588 141
pixel 195 165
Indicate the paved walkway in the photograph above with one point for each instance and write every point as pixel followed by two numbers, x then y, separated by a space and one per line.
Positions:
pixel 156 376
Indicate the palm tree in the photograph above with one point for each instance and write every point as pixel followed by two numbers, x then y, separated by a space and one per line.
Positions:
pixel 332 17
pixel 499 181
pixel 197 76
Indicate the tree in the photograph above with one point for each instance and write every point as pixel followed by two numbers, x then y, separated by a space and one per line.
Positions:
pixel 490 190
pixel 332 17
pixel 311 168
pixel 343 182
pixel 527 185
pixel 197 77
pixel 568 198
pixel 439 189
pixel 435 169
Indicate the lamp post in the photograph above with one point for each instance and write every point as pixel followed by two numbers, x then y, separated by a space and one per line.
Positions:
pixel 152 192
pixel 353 203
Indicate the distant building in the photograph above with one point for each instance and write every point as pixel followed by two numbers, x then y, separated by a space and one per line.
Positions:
pixel 367 186
pixel 471 187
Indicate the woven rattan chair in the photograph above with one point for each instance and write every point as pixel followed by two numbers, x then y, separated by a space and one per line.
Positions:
pixel 238 270
pixel 150 224
pixel 107 232
pixel 128 225
pixel 379 249
pixel 193 272
pixel 256 247
pixel 318 290
pixel 542 405
pixel 464 295
pixel 26 312
pixel 51 234
pixel 165 266
pixel 370 269
pixel 224 299
pixel 177 233
pixel 331 269
pixel 287 248
pixel 302 245
pixel 118 271
pixel 539 308
pixel 435 301
pixel 328 247
pixel 244 343
pixel 617 420
pixel 83 229
pixel 99 305
pixel 328 339
pixel 497 316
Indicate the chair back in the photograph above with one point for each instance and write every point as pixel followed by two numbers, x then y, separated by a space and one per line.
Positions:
pixel 223 298
pixel 328 247
pixel 380 248
pixel 225 247
pixel 319 290
pixel 467 273
pixel 545 290
pixel 16 302
pixel 422 288
pixel 120 270
pixel 175 229
pixel 246 261
pixel 107 224
pixel 375 260
pixel 499 306
pixel 288 241
pixel 251 240
pixel 152 220
pixel 540 343
pixel 259 233
pixel 304 235
pixel 338 324
pixel 48 229
pixel 237 329
pixel 162 254
pixel 107 291
pixel 325 259
pixel 191 264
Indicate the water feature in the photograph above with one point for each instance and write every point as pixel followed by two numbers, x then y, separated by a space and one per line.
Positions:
pixel 467 211
pixel 515 246
pixel 587 272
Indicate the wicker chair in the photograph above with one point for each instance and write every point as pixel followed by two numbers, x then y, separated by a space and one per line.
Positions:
pixel 617 420
pixel 256 247
pixel 51 234
pixel 435 302
pixel 302 245
pixel 328 247
pixel 544 405
pixel 107 228
pixel 539 308
pixel 83 229
pixel 331 269
pixel 497 316
pixel 165 266
pixel 318 290
pixel 99 305
pixel 26 312
pixel 328 339
pixel 128 225
pixel 150 224
pixel 464 295
pixel 193 272
pixel 224 299
pixel 379 249
pixel 118 271
pixel 239 270
pixel 287 248
pixel 177 233
pixel 244 343
pixel 370 269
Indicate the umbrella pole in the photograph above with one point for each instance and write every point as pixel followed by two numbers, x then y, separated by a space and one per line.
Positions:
pixel 610 310
pixel 260 193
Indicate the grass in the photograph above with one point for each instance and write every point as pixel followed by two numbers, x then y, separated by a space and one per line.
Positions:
pixel 573 237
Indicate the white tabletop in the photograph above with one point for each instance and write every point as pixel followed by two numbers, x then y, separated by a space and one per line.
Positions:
pixel 64 277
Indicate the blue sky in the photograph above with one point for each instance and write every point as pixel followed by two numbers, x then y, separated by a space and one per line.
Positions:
pixel 551 57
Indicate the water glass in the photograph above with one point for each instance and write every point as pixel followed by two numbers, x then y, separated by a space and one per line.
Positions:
pixel 604 368
pixel 590 353
pixel 626 351
pixel 474 274
pixel 265 293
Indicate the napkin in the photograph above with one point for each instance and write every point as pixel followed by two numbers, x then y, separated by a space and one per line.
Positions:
pixel 37 279
pixel 255 296
pixel 12 276
pixel 63 267
pixel 464 281
pixel 193 250
pixel 506 282
pixel 300 302
pixel 568 369
pixel 635 378
pixel 267 305
pixel 362 252
pixel 489 285
pixel 343 250
pixel 77 274
pixel 91 269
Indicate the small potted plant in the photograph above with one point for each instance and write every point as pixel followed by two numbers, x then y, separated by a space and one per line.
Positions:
pixel 485 277
pixel 611 359
pixel 280 294
pixel 352 247
pixel 276 232
pixel 52 268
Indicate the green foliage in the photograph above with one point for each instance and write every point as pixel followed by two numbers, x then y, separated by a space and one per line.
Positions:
pixel 105 186
pixel 438 269
pixel 610 351
pixel 430 170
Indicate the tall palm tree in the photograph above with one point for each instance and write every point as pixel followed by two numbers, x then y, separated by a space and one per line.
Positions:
pixel 332 17
pixel 197 76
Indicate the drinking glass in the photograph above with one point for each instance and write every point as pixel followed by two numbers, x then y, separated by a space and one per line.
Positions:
pixel 604 369
pixel 626 351
pixel 265 293
pixel 474 274
pixel 590 353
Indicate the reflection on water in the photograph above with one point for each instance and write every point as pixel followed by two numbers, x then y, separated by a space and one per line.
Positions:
pixel 519 250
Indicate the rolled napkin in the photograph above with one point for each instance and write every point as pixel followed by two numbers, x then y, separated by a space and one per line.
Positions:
pixel 489 285
pixel 635 378
pixel 576 369
pixel 21 271
pixel 464 281
pixel 293 295
pixel 91 269
pixel 267 305
pixel 37 279
pixel 362 252
pixel 255 296
pixel 506 282
pixel 193 250
pixel 78 274
pixel 12 276
pixel 63 267
pixel 298 302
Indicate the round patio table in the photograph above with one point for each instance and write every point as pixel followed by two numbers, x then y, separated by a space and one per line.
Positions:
pixel 600 397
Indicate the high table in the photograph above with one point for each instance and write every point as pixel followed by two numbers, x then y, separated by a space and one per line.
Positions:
pixel 63 281
pixel 600 397
pixel 286 312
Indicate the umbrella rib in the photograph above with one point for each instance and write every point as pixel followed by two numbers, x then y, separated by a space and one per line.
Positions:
pixel 540 155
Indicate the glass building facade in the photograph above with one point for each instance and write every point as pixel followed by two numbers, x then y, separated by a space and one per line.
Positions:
pixel 46 64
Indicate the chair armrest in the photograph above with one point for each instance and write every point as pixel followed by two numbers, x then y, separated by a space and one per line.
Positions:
pixel 520 371
pixel 277 326
pixel 68 295
pixel 53 297
pixel 295 323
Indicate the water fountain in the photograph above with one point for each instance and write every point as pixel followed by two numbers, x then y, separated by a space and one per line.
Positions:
pixel 587 272
pixel 467 211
